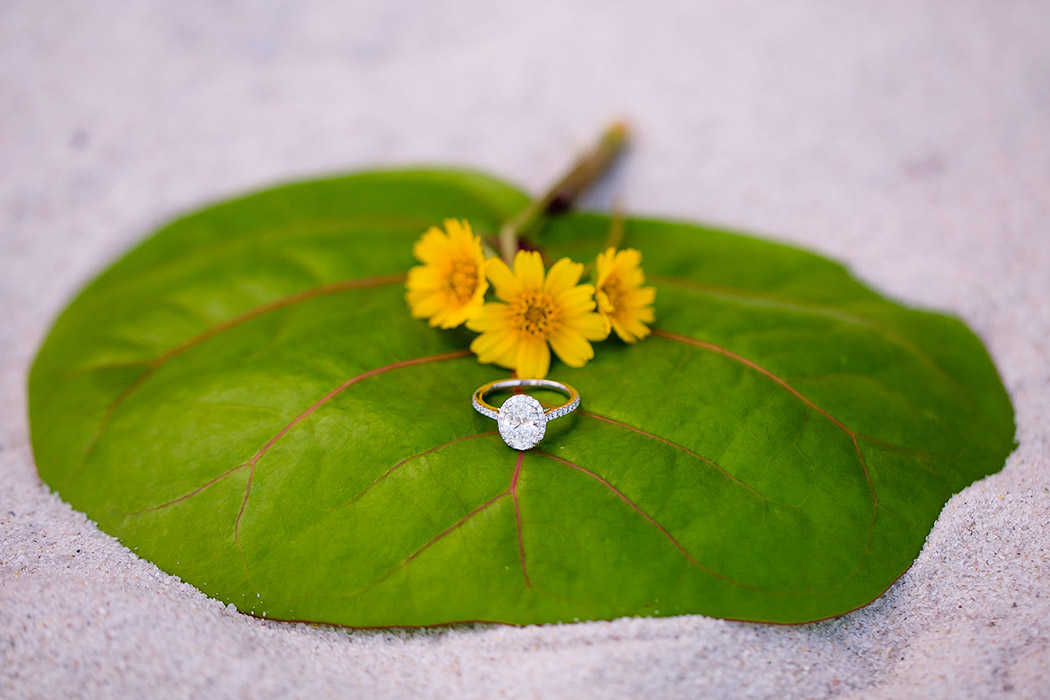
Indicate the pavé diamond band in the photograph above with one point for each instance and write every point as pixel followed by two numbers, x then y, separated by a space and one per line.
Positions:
pixel 521 419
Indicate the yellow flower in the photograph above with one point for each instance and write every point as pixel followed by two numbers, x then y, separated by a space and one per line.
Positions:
pixel 536 310
pixel 449 287
pixel 622 300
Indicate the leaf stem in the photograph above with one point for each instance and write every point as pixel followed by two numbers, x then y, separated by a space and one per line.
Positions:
pixel 566 190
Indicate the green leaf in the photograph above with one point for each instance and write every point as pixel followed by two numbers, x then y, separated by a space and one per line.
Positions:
pixel 244 400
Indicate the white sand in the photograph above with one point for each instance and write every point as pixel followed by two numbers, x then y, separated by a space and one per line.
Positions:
pixel 909 139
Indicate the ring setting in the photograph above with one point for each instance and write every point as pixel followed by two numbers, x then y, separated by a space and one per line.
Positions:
pixel 522 421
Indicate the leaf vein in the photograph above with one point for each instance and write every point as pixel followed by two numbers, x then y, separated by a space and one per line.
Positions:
pixel 702 458
pixel 405 461
pixel 751 364
pixel 432 541
pixel 456 354
pixel 652 521
pixel 745 295
pixel 517 519
pixel 232 322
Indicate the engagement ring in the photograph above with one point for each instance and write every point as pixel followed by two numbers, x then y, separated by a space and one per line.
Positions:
pixel 521 419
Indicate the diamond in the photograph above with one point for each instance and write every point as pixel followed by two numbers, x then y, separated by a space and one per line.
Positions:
pixel 521 421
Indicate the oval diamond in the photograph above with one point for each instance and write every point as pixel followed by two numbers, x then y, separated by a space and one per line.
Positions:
pixel 521 422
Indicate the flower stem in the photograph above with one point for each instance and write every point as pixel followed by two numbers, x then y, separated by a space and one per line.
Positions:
pixel 614 237
pixel 565 192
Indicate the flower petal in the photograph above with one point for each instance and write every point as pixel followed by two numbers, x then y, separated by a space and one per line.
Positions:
pixel 622 331
pixel 456 229
pixel 509 358
pixel 534 359
pixel 604 305
pixel 462 238
pixel 562 276
pixel 424 304
pixel 528 268
pixel 505 284
pixel 628 259
pixel 576 300
pixel 643 297
pixel 593 326
pixel 453 316
pixel 492 316
pixel 491 346
pixel 424 277
pixel 603 265
pixel 630 330
pixel 571 347
pixel 433 247
pixel 639 329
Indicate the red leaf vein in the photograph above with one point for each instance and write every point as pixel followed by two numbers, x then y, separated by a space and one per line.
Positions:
pixel 750 364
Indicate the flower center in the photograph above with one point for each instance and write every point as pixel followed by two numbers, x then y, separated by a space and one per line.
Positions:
pixel 462 280
pixel 534 314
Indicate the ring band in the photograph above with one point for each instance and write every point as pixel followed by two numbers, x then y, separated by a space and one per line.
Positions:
pixel 521 419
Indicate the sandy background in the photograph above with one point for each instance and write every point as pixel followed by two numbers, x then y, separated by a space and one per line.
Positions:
pixel 909 139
